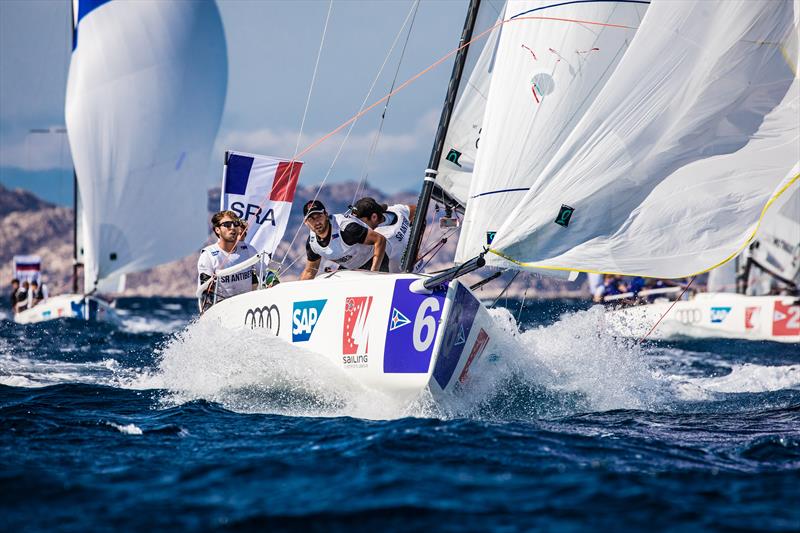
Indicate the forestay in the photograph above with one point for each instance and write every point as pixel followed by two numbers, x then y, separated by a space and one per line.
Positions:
pixel 669 172
pixel 145 93
pixel 552 59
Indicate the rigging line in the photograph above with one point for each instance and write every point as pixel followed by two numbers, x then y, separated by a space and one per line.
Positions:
pixel 667 311
pixel 505 289
pixel 374 147
pixel 418 75
pixel 352 125
pixel 522 305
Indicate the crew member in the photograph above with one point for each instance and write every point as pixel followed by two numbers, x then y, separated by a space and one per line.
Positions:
pixel 22 297
pixel 343 239
pixel 228 251
pixel 14 291
pixel 37 293
pixel 393 222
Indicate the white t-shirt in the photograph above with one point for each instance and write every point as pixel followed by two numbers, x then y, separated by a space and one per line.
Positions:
pixel 396 228
pixel 213 258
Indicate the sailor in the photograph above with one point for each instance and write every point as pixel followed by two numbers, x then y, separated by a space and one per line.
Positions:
pixel 228 251
pixel 393 222
pixel 14 291
pixel 37 293
pixel 22 297
pixel 343 239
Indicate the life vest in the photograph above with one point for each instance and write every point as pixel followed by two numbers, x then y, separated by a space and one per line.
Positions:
pixel 396 232
pixel 349 256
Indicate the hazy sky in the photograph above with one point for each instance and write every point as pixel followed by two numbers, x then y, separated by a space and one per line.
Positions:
pixel 272 46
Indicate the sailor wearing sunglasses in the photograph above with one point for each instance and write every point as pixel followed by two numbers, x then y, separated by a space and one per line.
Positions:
pixel 228 251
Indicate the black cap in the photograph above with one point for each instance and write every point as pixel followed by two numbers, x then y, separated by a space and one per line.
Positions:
pixel 313 206
pixel 367 206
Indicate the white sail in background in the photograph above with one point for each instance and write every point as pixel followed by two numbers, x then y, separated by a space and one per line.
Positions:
pixel 146 88
pixel 463 133
pixel 549 68
pixel 670 170
pixel 777 244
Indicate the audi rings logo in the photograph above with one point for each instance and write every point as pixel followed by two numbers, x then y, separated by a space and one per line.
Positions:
pixel 689 316
pixel 264 317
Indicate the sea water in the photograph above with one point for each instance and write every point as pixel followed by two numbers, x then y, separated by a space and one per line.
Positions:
pixel 167 423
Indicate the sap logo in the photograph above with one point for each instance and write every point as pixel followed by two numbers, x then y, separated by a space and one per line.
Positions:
pixel 253 210
pixel 304 318
pixel 719 314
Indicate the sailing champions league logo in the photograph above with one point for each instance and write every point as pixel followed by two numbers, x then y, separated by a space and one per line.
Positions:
pixel 564 215
pixel 453 156
pixel 355 331
pixel 267 317
pixel 304 318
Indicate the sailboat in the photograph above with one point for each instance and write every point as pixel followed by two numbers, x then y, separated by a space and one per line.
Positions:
pixel 639 138
pixel 754 297
pixel 145 93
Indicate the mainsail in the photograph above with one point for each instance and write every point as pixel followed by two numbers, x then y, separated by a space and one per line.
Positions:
pixel 146 88
pixel 688 145
pixel 552 60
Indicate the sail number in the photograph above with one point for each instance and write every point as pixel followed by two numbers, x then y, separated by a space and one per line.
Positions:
pixel 425 324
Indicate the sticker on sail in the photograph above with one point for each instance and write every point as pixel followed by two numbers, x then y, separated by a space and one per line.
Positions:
pixel 719 314
pixel 355 331
pixel 453 156
pixel 411 329
pixel 490 236
pixel 462 315
pixel 564 215
pixel 786 319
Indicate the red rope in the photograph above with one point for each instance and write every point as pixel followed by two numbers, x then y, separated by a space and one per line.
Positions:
pixel 667 311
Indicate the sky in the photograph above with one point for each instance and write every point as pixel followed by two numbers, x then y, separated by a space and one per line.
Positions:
pixel 272 48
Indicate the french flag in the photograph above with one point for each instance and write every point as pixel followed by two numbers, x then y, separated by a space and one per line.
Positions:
pixel 260 190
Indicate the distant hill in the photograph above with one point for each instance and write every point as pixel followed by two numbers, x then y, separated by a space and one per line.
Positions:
pixel 29 225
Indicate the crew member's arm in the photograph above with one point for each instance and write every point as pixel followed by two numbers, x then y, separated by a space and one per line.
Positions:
pixel 313 260
pixel 412 210
pixel 379 248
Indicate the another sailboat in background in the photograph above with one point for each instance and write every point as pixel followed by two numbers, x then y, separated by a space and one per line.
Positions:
pixel 145 93
pixel 592 158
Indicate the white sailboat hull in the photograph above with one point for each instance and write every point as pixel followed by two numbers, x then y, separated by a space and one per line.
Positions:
pixel 714 315
pixel 68 306
pixel 374 328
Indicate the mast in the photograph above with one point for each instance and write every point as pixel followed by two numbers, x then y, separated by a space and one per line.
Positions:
pixel 75 264
pixel 418 226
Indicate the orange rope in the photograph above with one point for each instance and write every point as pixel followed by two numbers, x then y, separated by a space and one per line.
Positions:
pixel 667 311
pixel 417 76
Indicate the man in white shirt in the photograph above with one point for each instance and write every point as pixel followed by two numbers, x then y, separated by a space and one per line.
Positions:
pixel 228 251
pixel 393 222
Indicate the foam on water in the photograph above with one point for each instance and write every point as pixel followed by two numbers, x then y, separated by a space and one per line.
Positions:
pixel 573 365
pixel 19 371
pixel 753 378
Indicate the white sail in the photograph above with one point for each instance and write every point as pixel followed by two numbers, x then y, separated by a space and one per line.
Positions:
pixel 464 131
pixel 777 245
pixel 552 60
pixel 146 88
pixel 670 171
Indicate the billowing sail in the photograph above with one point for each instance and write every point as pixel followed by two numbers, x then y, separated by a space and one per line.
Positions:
pixel 145 93
pixel 777 245
pixel 669 172
pixel 463 133
pixel 552 60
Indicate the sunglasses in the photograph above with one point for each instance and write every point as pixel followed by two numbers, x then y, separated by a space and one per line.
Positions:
pixel 228 224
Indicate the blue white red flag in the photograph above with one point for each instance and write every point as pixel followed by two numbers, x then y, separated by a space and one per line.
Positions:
pixel 260 190
pixel 27 268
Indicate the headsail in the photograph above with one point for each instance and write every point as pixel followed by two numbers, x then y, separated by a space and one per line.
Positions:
pixel 145 93
pixel 777 245
pixel 553 58
pixel 680 156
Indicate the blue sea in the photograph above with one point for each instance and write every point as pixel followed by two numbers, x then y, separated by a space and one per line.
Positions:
pixel 165 423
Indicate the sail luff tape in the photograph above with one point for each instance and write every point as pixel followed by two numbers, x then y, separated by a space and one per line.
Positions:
pixel 430 174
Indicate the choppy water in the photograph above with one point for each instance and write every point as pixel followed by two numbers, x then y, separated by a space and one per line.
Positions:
pixel 160 424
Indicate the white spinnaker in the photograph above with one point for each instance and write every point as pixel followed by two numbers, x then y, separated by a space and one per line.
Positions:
pixel 777 244
pixel 145 94
pixel 671 169
pixel 463 133
pixel 548 69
